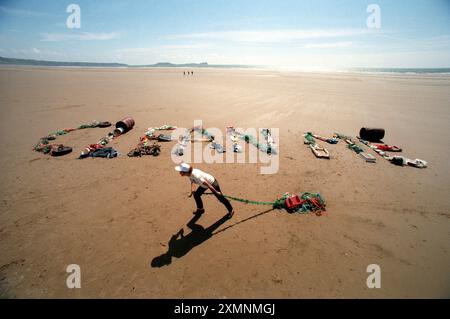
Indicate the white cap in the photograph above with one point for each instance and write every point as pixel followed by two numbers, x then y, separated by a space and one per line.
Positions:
pixel 183 167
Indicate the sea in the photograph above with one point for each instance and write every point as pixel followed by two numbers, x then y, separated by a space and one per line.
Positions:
pixel 412 71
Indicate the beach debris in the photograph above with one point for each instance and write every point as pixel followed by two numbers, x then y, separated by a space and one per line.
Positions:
pixel 217 146
pixel 387 148
pixel 292 203
pixel 164 138
pixel 179 149
pixel 318 151
pixel 332 140
pixel 60 150
pixel 375 148
pixel 104 152
pixel 145 149
pixel 341 136
pixel 211 138
pixel 237 148
pixel 250 139
pixel 371 134
pixel 234 139
pixel 122 127
pixel 381 150
pixel 151 130
pixel 56 149
pixel 269 139
pixel 404 161
pixel 268 136
pixel 352 145
pixel 44 146
pixel 88 150
pixel 368 157
pixel 183 141
pixel 104 124
pixel 308 139
pixel 204 132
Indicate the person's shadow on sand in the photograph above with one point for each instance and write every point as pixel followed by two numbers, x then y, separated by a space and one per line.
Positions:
pixel 180 245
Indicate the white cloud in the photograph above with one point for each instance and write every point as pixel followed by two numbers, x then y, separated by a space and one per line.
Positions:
pixel 83 36
pixel 176 53
pixel 168 47
pixel 273 36
pixel 328 45
pixel 37 51
pixel 185 46
pixel 137 50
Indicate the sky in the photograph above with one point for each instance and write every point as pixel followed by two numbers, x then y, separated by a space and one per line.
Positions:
pixel 285 34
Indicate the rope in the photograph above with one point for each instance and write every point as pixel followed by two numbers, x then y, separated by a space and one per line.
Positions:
pixel 309 202
pixel 247 201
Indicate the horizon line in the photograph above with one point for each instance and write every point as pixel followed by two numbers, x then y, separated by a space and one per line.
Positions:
pixel 206 64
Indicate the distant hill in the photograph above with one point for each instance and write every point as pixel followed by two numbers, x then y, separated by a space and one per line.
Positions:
pixel 55 63
pixel 11 61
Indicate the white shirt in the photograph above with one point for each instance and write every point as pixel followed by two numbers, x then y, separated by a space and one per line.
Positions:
pixel 198 177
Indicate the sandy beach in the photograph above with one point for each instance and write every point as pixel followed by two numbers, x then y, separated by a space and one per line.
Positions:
pixel 115 217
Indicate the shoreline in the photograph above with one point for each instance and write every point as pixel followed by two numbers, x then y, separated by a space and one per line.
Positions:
pixel 275 71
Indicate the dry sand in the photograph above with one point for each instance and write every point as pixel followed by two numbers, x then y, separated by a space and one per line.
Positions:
pixel 113 217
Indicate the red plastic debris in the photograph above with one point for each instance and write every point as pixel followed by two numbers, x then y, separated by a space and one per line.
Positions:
pixel 293 202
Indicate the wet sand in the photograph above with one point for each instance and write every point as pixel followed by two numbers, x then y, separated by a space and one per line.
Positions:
pixel 116 218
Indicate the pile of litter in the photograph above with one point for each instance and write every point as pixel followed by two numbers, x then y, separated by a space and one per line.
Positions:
pixel 381 150
pixel 44 145
pixel 145 149
pixel 99 150
pixel 370 137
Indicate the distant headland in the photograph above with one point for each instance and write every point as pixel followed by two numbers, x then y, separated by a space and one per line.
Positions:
pixel 31 62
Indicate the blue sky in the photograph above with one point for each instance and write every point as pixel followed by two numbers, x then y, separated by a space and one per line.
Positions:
pixel 320 34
